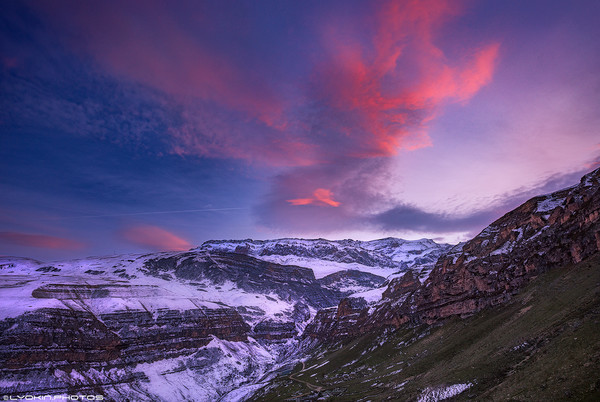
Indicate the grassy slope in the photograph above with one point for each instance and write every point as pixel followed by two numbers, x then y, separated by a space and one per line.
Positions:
pixel 544 345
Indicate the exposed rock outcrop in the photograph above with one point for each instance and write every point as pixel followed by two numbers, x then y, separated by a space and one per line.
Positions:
pixel 545 232
pixel 351 281
pixel 388 253
pixel 63 336
pixel 347 320
pixel 248 273
pixel 58 351
pixel 275 331
pixel 56 335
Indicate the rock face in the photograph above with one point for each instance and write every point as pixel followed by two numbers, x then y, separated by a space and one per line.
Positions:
pixel 400 287
pixel 168 333
pixel 273 330
pixel 353 316
pixel 347 320
pixel 60 335
pixel 55 335
pixel 545 232
pixel 351 281
pixel 38 350
pixel 247 273
pixel 344 251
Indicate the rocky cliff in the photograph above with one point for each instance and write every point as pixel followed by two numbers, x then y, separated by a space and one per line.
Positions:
pixel 249 274
pixel 127 327
pixel 545 232
pixel 55 351
pixel 381 257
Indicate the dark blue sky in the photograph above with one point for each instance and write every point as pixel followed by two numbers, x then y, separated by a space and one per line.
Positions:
pixel 133 126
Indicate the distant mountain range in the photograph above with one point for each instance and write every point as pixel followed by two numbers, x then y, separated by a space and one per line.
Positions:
pixel 380 257
pixel 229 312
pixel 231 317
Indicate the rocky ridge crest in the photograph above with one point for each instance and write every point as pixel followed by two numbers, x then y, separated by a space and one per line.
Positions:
pixel 545 232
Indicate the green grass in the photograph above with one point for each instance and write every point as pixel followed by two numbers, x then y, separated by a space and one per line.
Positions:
pixel 543 345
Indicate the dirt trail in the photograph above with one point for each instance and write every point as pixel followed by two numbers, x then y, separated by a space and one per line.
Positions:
pixel 312 387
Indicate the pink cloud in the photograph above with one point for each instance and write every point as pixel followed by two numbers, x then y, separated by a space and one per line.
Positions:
pixel 389 91
pixel 40 241
pixel 155 238
pixel 321 196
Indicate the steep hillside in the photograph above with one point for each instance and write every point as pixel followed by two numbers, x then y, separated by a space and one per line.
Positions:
pixel 545 232
pixel 541 345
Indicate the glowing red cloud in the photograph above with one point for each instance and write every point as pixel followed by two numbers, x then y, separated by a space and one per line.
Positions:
pixel 458 83
pixel 321 196
pixel 390 92
pixel 40 241
pixel 155 238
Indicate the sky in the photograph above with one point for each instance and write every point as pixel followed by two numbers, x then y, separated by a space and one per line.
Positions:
pixel 138 126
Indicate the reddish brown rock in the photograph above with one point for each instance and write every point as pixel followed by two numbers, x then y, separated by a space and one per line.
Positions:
pixel 67 337
pixel 545 232
pixel 274 331
pixel 347 320
pixel 400 286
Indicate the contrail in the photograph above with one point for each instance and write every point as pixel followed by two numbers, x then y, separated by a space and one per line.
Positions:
pixel 146 213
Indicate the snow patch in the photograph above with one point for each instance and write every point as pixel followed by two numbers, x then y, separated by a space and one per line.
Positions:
pixel 549 204
pixel 441 393
pixel 371 296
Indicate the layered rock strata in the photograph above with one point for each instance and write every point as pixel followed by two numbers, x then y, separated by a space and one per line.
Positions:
pixel 545 232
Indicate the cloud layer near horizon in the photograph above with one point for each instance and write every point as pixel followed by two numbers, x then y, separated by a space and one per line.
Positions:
pixel 40 241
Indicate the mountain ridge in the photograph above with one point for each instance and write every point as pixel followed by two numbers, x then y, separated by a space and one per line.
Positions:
pixel 555 229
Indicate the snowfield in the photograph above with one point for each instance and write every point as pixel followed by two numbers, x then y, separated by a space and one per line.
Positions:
pixel 223 370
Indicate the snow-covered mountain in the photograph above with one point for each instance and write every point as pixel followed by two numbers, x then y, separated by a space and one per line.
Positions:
pixel 211 322
pixel 382 257
pixel 133 327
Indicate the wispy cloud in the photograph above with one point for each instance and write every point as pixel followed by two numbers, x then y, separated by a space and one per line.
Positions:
pixel 321 196
pixel 184 211
pixel 373 93
pixel 155 238
pixel 377 95
pixel 327 116
pixel 40 241
pixel 369 93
